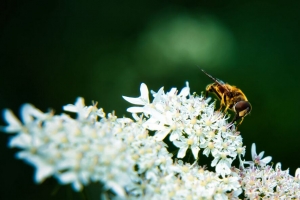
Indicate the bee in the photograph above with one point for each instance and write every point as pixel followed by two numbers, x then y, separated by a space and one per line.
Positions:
pixel 231 97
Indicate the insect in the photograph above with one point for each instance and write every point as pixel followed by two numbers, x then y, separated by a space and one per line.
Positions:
pixel 231 97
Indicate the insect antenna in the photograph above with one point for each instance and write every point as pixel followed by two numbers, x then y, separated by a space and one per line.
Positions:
pixel 219 82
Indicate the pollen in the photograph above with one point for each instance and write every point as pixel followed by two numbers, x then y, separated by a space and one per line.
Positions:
pixel 190 141
pixel 193 121
pixel 198 132
pixel 211 145
pixel 208 123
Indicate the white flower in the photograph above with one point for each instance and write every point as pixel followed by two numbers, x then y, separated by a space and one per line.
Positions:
pixel 257 159
pixel 222 164
pixel 28 114
pixel 230 183
pixel 14 124
pixel 141 100
pixel 184 143
pixel 83 111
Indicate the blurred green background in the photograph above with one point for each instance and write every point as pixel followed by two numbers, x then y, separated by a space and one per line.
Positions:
pixel 54 51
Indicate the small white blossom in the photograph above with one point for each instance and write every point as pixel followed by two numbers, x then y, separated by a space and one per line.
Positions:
pixel 184 143
pixel 141 100
pixel 258 159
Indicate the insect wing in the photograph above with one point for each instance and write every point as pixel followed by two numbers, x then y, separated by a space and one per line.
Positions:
pixel 220 82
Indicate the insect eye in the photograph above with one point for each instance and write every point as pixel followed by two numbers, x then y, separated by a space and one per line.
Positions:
pixel 242 108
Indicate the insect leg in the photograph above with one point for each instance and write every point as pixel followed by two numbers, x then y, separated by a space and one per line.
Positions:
pixel 206 93
pixel 239 123
pixel 236 117
pixel 222 102
pixel 226 108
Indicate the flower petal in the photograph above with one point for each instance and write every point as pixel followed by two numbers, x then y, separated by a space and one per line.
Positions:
pixel 253 151
pixel 261 154
pixel 135 109
pixel 266 160
pixel 144 92
pixel 195 150
pixel 136 101
pixel 160 135
pixel 14 125
pixel 181 152
pixel 28 111
pixel 184 92
pixel 215 161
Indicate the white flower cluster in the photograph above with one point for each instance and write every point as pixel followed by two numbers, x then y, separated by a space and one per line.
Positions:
pixel 130 157
pixel 268 183
pixel 261 181
pixel 185 181
pixel 73 151
pixel 191 123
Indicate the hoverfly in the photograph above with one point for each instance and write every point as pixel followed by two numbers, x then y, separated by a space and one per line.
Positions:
pixel 231 97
